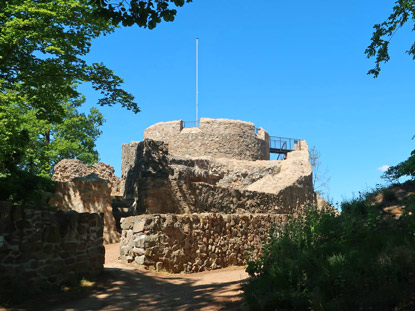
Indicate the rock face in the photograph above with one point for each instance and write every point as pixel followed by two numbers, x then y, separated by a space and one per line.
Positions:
pixel 195 242
pixel 42 247
pixel 161 182
pixel 89 194
pixel 69 169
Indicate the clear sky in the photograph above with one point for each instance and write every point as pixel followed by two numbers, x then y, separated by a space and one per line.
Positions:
pixel 297 69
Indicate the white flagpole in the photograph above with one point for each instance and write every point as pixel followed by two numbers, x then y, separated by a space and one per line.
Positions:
pixel 197 79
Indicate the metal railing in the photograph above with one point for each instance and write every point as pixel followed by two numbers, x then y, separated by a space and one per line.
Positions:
pixel 190 124
pixel 282 144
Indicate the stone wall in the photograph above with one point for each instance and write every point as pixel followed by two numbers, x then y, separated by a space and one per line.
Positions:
pixel 160 182
pixel 89 194
pixel 42 247
pixel 195 242
pixel 217 138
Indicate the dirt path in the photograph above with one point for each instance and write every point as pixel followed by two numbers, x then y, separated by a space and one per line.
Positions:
pixel 138 289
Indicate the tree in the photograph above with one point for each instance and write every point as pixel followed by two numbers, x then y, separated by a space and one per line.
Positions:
pixel 405 168
pixel 43 43
pixel 320 179
pixel 42 49
pixel 403 12
pixel 49 143
pixel 13 139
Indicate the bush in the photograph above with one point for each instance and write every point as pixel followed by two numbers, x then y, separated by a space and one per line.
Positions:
pixel 21 187
pixel 323 261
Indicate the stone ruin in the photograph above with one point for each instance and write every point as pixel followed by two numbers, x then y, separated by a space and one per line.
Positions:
pixel 82 188
pixel 42 248
pixel 193 198
pixel 206 197
pixel 68 169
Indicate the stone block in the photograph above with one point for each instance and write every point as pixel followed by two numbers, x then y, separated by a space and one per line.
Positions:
pixel 139 260
pixel 139 241
pixel 139 226
pixel 159 266
pixel 139 251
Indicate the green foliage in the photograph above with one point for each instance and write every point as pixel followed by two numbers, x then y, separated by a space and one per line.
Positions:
pixel 13 139
pixel 142 13
pixel 389 195
pixel 36 145
pixel 25 188
pixel 49 143
pixel 359 260
pixel 403 12
pixel 42 45
pixel 405 168
pixel 42 49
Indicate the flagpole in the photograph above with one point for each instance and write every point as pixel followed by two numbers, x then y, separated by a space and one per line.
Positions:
pixel 197 80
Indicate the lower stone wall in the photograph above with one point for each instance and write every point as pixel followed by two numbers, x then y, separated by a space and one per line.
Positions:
pixel 42 247
pixel 194 242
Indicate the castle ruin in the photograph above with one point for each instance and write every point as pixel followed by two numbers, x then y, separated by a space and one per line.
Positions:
pixel 206 195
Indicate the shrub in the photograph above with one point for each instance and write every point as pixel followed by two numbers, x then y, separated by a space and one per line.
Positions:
pixel 323 261
pixel 21 187
pixel 389 195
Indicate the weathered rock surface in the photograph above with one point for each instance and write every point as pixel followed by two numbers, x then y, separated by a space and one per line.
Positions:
pixel 394 199
pixel 160 182
pixel 68 169
pixel 42 247
pixel 195 242
pixel 89 194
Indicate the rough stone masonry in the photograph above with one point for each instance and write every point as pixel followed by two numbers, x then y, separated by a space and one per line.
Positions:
pixel 195 242
pixel 207 196
pixel 42 247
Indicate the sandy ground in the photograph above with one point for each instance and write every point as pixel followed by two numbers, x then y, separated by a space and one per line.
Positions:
pixel 138 289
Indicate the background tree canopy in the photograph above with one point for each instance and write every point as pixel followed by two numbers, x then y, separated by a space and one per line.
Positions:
pixel 42 49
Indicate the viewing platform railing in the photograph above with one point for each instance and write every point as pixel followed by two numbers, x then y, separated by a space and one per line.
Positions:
pixel 282 144
pixel 190 124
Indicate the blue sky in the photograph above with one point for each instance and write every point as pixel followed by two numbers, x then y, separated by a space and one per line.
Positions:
pixel 295 69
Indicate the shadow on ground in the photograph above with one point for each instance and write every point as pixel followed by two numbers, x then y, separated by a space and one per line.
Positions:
pixel 121 289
